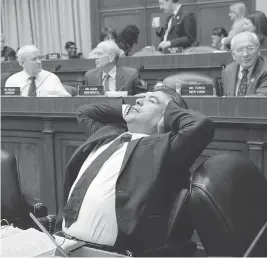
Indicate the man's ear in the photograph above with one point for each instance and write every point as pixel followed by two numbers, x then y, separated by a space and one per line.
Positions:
pixel 111 57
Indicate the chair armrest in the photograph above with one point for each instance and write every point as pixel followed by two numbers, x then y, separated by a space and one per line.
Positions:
pixel 186 249
pixel 48 222
pixel 35 207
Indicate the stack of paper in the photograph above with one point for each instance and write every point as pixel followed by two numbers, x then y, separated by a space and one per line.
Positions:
pixel 30 242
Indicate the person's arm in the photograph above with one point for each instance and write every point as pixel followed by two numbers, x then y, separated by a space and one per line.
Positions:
pixel 190 30
pixel 160 31
pixel 95 116
pixel 58 89
pixel 261 91
pixel 190 133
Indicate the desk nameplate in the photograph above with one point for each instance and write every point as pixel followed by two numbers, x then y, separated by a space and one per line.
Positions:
pixel 197 90
pixel 10 91
pixel 91 91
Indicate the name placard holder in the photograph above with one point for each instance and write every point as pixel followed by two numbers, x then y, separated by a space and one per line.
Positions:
pixel 10 91
pixel 173 50
pixel 84 90
pixel 197 90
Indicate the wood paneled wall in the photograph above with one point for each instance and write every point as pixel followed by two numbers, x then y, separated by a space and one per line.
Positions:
pixel 120 13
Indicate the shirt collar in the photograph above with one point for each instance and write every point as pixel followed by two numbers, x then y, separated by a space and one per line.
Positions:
pixel 175 12
pixel 112 73
pixel 29 76
pixel 249 69
pixel 136 135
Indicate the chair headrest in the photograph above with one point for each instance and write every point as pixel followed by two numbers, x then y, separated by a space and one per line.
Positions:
pixel 189 78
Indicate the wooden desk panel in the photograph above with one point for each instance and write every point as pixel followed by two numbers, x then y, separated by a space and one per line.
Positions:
pixel 43 133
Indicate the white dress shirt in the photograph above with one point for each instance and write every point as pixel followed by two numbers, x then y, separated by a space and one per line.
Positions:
pixel 112 78
pixel 170 22
pixel 240 76
pixel 47 84
pixel 97 222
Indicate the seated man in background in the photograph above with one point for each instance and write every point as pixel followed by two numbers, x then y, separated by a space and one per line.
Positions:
pixel 217 35
pixel 180 28
pixel 247 75
pixel 109 74
pixel 71 50
pixel 133 164
pixel 33 80
pixel 7 53
pixel 107 33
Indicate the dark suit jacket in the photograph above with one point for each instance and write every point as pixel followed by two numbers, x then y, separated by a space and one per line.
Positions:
pixel 258 79
pixel 154 168
pixel 9 54
pixel 123 75
pixel 183 31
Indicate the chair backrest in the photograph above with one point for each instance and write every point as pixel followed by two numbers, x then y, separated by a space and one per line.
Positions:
pixel 228 204
pixel 192 78
pixel 11 197
pixel 200 49
pixel 71 90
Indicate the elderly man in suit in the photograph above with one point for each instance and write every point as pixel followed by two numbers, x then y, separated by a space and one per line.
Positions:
pixel 33 80
pixel 247 75
pixel 135 159
pixel 180 28
pixel 111 75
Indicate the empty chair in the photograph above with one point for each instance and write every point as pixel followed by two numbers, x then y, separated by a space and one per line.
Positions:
pixel 192 78
pixel 228 204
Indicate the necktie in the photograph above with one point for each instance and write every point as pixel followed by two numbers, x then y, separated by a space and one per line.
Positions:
pixel 32 88
pixel 74 203
pixel 242 91
pixel 106 82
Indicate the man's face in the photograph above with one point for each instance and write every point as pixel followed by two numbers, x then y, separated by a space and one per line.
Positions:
pixel 148 111
pixel 165 5
pixel 103 58
pixel 33 64
pixel 2 42
pixel 71 50
pixel 216 39
pixel 109 37
pixel 245 52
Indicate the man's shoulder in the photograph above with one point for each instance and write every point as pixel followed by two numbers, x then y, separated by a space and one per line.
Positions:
pixel 17 75
pixel 45 73
pixel 91 72
pixel 15 78
pixel 127 70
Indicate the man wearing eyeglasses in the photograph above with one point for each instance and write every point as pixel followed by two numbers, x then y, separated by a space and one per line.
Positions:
pixel 111 75
pixel 247 75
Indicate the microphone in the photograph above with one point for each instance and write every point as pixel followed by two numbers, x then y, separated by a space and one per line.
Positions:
pixel 140 69
pixel 58 66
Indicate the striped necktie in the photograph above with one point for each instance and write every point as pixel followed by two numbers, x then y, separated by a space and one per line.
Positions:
pixel 106 82
pixel 32 88
pixel 243 86
pixel 74 203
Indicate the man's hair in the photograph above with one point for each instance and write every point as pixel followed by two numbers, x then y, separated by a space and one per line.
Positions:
pixel 240 8
pixel 69 44
pixel 220 31
pixel 175 96
pixel 24 51
pixel 247 34
pixel 110 46
pixel 107 31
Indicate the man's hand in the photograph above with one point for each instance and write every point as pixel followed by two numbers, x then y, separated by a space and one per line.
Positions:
pixel 164 44
pixel 156 22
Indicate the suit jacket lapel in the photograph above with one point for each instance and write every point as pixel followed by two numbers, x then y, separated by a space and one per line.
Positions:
pixel 130 148
pixel 255 70
pixel 97 78
pixel 120 80
pixel 232 80
pixel 179 14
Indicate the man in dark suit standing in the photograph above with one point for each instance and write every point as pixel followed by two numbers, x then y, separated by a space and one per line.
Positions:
pixel 247 75
pixel 111 75
pixel 126 199
pixel 180 28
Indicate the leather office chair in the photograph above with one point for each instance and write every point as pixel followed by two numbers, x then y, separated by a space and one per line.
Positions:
pixel 200 49
pixel 179 232
pixel 192 77
pixel 71 90
pixel 228 204
pixel 15 206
